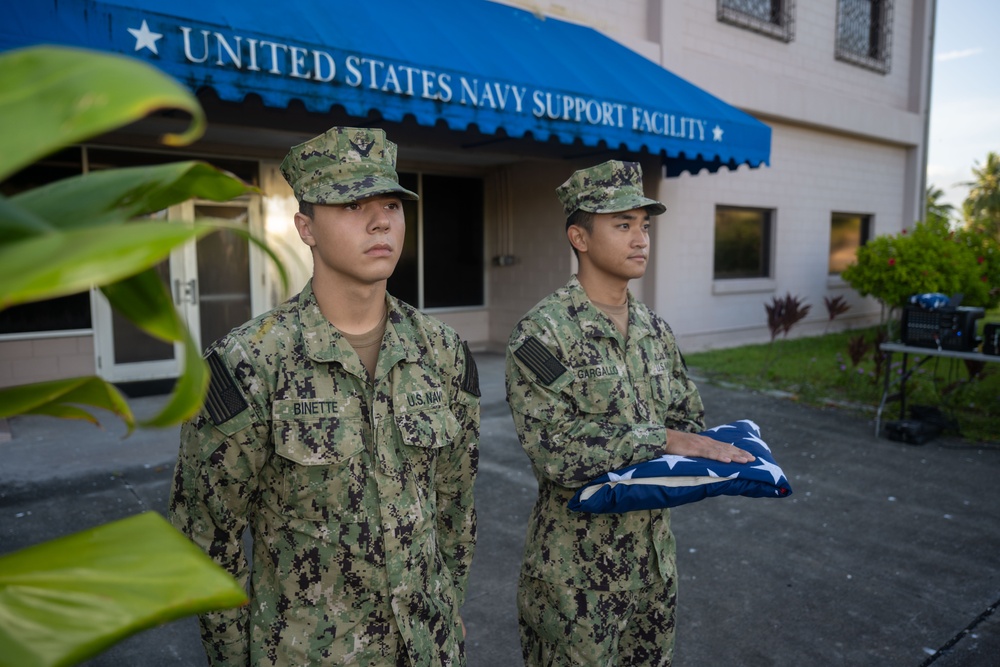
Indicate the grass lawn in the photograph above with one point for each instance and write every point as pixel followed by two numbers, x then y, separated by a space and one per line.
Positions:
pixel 821 371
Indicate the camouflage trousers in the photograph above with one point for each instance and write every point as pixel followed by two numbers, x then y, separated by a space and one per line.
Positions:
pixel 572 627
pixel 370 639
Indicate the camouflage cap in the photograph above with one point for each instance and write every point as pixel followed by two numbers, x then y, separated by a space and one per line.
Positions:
pixel 610 187
pixel 343 165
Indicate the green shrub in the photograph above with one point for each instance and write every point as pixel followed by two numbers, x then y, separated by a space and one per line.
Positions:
pixel 929 258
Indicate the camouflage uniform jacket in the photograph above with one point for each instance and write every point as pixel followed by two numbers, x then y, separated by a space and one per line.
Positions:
pixel 584 403
pixel 358 493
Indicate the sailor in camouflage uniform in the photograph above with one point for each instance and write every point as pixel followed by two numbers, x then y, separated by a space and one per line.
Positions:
pixel 342 429
pixel 595 382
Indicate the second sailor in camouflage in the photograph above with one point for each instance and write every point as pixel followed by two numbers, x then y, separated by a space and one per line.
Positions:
pixel 352 468
pixel 595 382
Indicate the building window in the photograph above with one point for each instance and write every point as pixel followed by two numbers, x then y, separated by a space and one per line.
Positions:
pixel 73 313
pixel 774 18
pixel 742 242
pixel 442 264
pixel 69 313
pixel 848 232
pixel 864 33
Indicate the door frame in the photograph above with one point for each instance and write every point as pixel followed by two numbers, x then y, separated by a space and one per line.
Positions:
pixel 183 276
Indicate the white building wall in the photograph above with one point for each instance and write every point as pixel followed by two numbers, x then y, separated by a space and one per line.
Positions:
pixel 823 173
pixel 46 357
pixel 758 73
pixel 625 20
pixel 845 138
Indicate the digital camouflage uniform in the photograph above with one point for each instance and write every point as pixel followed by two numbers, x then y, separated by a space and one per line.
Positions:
pixel 585 400
pixel 358 492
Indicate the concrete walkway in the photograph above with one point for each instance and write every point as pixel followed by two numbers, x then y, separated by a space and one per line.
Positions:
pixel 886 554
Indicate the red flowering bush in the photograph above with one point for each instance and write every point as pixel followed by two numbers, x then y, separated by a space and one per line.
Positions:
pixel 930 258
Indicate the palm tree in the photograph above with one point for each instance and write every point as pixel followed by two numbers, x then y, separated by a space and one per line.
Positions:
pixel 982 206
pixel 935 207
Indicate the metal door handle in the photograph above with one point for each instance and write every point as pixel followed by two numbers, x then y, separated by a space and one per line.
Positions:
pixel 190 292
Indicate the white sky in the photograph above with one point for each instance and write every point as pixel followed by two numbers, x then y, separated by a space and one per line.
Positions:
pixel 965 93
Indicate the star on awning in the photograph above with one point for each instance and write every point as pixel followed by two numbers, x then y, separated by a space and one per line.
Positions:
pixel 145 38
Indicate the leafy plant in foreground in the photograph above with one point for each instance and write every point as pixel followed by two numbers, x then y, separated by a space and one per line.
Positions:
pixel 66 600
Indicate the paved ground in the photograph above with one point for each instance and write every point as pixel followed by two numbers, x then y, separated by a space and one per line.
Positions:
pixel 886 554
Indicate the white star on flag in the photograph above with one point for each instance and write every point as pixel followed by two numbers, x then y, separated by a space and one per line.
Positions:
pixel 145 38
pixel 614 477
pixel 716 133
pixel 775 471
pixel 760 442
pixel 712 473
pixel 672 459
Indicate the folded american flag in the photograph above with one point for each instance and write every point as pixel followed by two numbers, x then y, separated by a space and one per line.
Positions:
pixel 672 480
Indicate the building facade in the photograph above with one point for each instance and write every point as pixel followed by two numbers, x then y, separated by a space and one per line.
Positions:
pixel 841 88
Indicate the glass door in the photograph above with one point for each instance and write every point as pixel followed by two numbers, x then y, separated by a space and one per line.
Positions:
pixel 125 353
pixel 218 294
pixel 211 288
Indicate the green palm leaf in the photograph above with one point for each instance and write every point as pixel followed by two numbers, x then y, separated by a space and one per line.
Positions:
pixel 58 96
pixel 69 599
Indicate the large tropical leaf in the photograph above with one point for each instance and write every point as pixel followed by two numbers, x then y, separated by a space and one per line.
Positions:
pixel 69 599
pixel 144 300
pixel 52 97
pixel 16 222
pixel 51 265
pixel 189 392
pixel 59 398
pixel 66 600
pixel 115 195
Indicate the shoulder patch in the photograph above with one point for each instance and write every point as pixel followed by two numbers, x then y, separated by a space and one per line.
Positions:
pixel 470 381
pixel 539 361
pixel 224 400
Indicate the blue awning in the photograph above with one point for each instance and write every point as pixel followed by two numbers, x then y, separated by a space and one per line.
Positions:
pixel 463 62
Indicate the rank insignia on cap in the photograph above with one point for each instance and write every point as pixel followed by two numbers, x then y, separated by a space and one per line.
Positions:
pixel 363 152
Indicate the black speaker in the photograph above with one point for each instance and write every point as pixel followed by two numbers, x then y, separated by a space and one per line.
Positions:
pixel 991 338
pixel 947 328
pixel 910 431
